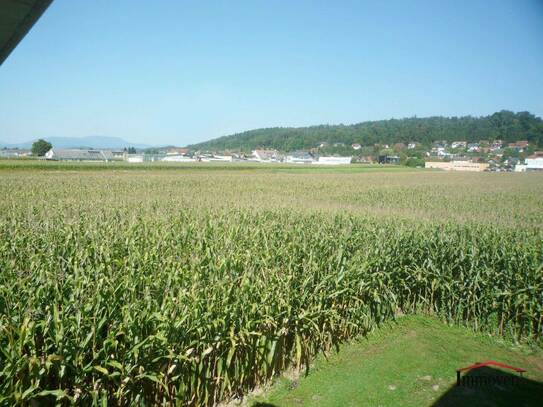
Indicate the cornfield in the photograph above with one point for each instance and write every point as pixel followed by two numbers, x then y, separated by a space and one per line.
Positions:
pixel 191 288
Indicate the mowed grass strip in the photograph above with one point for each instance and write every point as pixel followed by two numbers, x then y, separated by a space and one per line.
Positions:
pixel 411 362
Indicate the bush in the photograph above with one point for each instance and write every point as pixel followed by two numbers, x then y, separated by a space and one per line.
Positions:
pixel 414 162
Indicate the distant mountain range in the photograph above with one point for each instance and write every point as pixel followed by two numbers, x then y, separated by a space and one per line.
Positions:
pixel 81 142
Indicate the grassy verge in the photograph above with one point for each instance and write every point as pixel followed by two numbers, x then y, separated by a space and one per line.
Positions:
pixel 411 363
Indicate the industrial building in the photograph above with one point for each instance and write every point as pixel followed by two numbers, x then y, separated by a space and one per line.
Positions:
pixel 266 155
pixel 78 155
pixel 333 161
pixel 299 157
pixel 532 163
pixel 457 165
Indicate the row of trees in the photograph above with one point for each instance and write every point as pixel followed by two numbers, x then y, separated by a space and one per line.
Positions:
pixel 504 125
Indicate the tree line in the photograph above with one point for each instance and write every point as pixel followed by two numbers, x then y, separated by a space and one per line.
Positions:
pixel 505 125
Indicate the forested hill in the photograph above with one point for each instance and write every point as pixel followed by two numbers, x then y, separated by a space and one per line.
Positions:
pixel 504 125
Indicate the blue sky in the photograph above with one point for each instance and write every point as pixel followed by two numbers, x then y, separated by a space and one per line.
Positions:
pixel 178 72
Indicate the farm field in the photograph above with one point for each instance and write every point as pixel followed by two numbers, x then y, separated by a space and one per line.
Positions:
pixel 197 283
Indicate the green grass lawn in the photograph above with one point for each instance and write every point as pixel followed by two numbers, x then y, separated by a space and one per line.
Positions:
pixel 411 362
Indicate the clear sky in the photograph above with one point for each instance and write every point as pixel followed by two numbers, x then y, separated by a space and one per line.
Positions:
pixel 178 72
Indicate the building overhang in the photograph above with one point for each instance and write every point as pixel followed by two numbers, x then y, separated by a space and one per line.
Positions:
pixel 16 19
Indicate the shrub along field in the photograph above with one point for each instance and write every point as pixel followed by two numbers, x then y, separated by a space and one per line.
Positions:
pixel 194 285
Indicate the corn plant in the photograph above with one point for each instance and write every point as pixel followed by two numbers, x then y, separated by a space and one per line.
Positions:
pixel 126 290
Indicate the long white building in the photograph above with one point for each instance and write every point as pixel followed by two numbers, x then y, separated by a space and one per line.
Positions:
pixel 530 164
pixel 78 155
pixel 178 159
pixel 534 164
pixel 456 165
pixel 333 161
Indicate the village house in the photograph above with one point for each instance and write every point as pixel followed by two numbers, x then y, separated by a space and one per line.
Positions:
pixel 519 145
pixel 299 157
pixel 389 159
pixel 496 145
pixel 356 146
pixel 440 152
pixel 459 144
pixel 365 159
pixel 440 144
pixel 474 148
pixel 177 151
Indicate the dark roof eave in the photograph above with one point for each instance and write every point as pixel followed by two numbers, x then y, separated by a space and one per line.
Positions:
pixel 13 35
